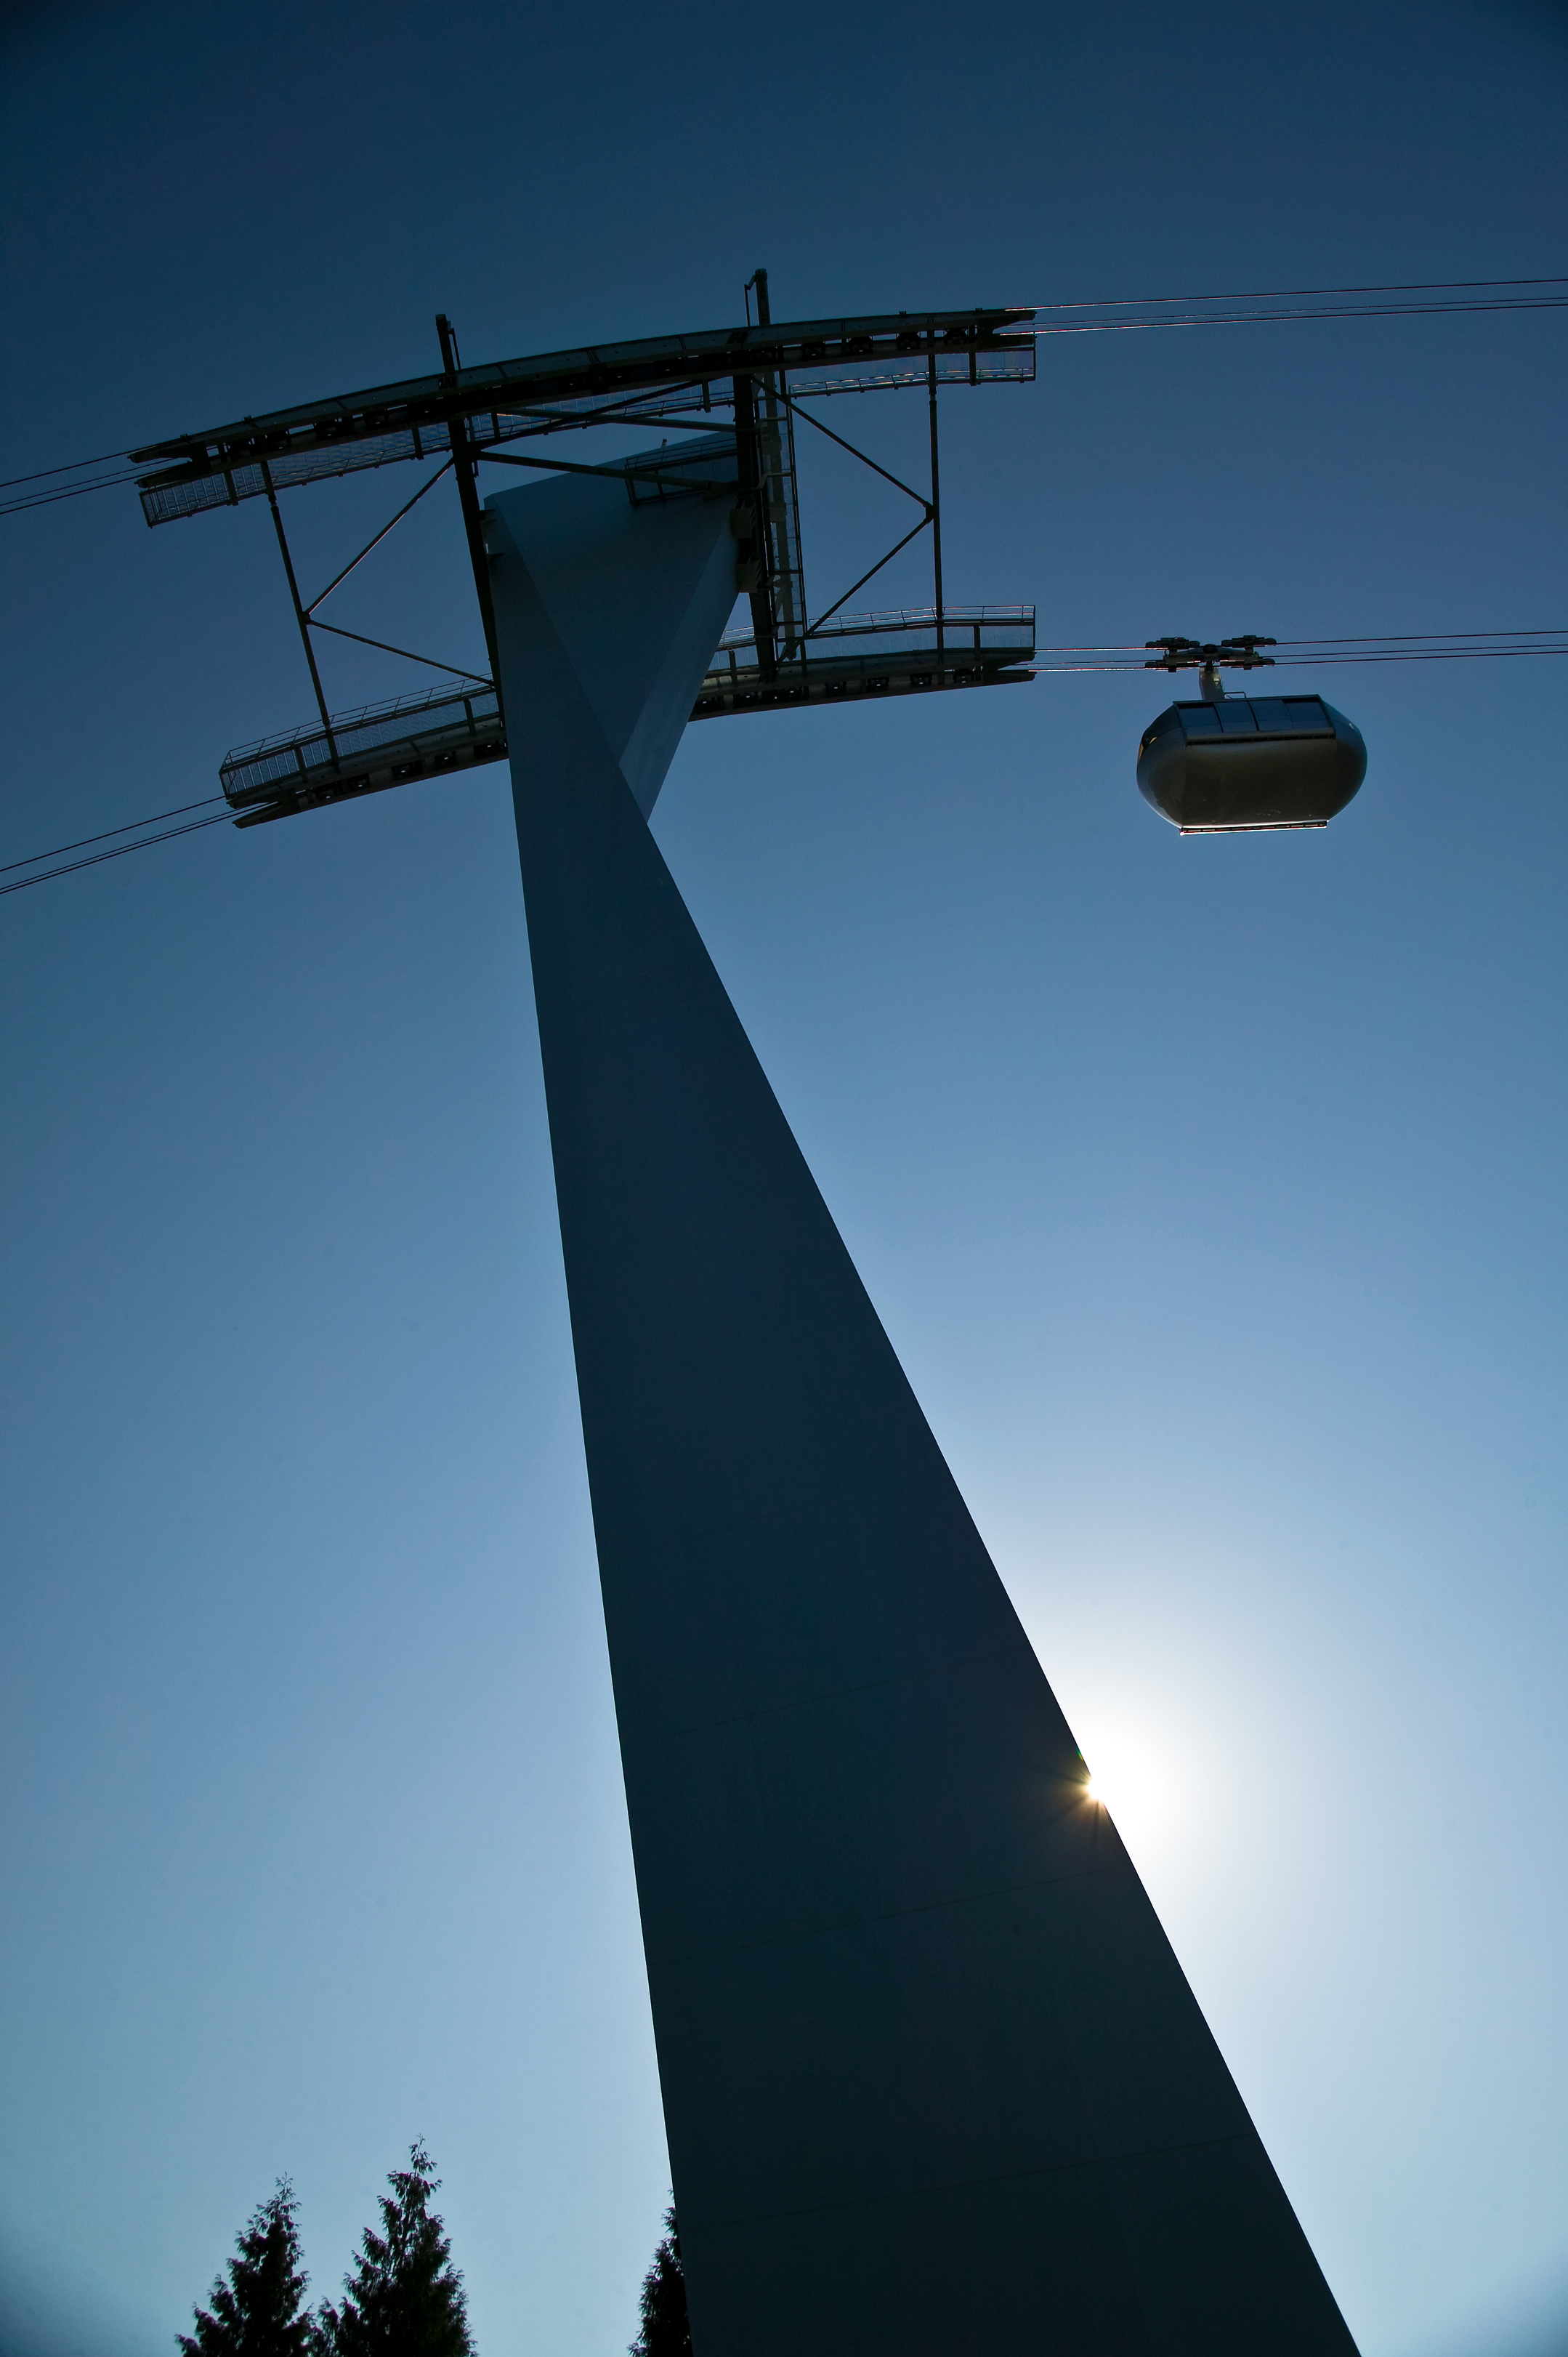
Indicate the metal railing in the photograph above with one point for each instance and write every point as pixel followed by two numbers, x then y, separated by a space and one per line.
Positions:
pixel 895 651
pixel 1006 630
pixel 408 737
pixel 902 651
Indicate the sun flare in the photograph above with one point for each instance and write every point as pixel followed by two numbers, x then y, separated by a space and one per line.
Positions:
pixel 1131 1780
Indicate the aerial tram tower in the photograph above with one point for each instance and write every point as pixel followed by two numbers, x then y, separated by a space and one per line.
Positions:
pixel 926 2053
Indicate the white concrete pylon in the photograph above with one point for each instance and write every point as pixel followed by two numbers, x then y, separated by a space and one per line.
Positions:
pixel 934 2083
pixel 635 598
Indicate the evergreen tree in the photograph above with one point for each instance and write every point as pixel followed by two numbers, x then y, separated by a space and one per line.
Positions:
pixel 259 2312
pixel 665 2330
pixel 404 2297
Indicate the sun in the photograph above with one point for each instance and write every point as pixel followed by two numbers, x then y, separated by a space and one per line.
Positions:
pixel 1131 1778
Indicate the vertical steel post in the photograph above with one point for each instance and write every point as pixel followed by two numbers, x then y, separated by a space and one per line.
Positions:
pixel 936 492
pixel 753 488
pixel 469 499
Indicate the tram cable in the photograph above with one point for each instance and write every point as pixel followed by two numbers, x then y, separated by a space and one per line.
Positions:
pixel 120 851
pixel 1413 646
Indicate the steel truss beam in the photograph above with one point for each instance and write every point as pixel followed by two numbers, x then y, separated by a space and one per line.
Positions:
pixel 415 419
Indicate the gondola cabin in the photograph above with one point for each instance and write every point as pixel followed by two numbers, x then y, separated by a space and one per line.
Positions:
pixel 1233 764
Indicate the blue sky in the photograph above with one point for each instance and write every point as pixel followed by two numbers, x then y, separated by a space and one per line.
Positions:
pixel 1210 1191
